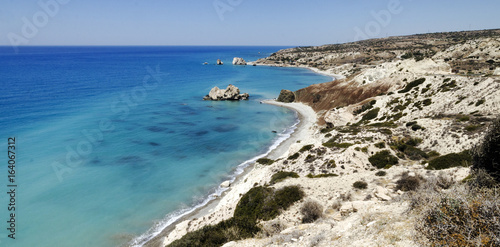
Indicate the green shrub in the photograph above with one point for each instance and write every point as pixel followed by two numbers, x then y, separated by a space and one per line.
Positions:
pixel 259 203
pixel 472 127
pixel 382 159
pixel 311 211
pixel 310 158
pixel 380 173
pixel 365 107
pixel 486 156
pixel 322 175
pixel 416 127
pixel 306 148
pixel 463 118
pixel 364 149
pixel 411 123
pixel 480 102
pixel 427 102
pixel 372 114
pixel 265 161
pixel 287 196
pixel 380 145
pixel 294 156
pixel 337 145
pixel 360 185
pixel 330 164
pixel 385 131
pixel 414 153
pixel 280 176
pixel 450 160
pixel 433 154
pixel 412 84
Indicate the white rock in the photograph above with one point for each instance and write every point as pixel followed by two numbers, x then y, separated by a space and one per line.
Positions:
pixel 219 62
pixel 381 193
pixel 239 61
pixel 225 184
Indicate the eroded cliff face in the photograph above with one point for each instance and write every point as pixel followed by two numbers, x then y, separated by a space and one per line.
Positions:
pixel 326 96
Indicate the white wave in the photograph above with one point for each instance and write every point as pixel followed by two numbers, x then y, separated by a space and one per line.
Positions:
pixel 173 217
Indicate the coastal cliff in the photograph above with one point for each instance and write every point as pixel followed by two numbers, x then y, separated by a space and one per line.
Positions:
pixel 377 150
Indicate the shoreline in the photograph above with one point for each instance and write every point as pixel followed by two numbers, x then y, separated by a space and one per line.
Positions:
pixel 315 70
pixel 220 208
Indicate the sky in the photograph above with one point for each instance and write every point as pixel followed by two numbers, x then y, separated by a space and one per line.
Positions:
pixel 233 22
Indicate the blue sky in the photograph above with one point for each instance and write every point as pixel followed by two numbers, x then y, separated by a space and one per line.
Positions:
pixel 233 22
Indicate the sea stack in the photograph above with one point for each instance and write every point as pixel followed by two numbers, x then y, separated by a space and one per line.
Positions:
pixel 286 96
pixel 230 93
pixel 219 62
pixel 239 61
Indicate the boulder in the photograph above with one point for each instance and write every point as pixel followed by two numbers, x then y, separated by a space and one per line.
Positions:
pixel 239 61
pixel 230 93
pixel 382 193
pixel 219 62
pixel 286 96
pixel 225 184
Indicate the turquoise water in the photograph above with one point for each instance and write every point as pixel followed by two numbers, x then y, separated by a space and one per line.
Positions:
pixel 114 143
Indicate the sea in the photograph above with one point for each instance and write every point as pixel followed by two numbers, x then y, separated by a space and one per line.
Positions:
pixel 109 145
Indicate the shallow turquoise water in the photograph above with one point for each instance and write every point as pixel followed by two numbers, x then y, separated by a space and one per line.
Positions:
pixel 113 141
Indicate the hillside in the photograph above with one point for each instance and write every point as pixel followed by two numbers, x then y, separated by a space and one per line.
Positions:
pixel 394 140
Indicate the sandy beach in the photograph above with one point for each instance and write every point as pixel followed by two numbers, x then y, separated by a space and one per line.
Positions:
pixel 222 208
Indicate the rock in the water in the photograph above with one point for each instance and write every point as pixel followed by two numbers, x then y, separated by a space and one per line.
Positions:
pixel 286 96
pixel 230 93
pixel 239 61
pixel 219 62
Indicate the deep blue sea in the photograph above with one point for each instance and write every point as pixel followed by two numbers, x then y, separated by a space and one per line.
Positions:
pixel 114 143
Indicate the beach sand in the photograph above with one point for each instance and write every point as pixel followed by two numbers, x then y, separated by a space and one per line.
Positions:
pixel 222 208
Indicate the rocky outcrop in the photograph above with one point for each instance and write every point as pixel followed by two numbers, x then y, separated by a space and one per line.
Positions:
pixel 239 61
pixel 230 93
pixel 286 96
pixel 219 62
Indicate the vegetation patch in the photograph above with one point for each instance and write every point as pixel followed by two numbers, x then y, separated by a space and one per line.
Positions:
pixel 365 107
pixel 280 176
pixel 372 114
pixel 337 145
pixel 306 148
pixel 380 145
pixel 408 183
pixel 450 160
pixel 461 218
pixel 380 173
pixel 265 161
pixel 480 102
pixel 311 211
pixel 259 203
pixel 360 185
pixel 462 118
pixel 294 156
pixel 472 127
pixel 388 124
pixel 326 175
pixel 412 84
pixel 383 159
pixel 416 127
pixel 487 155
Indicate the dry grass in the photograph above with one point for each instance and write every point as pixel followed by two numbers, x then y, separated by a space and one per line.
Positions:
pixel 460 216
